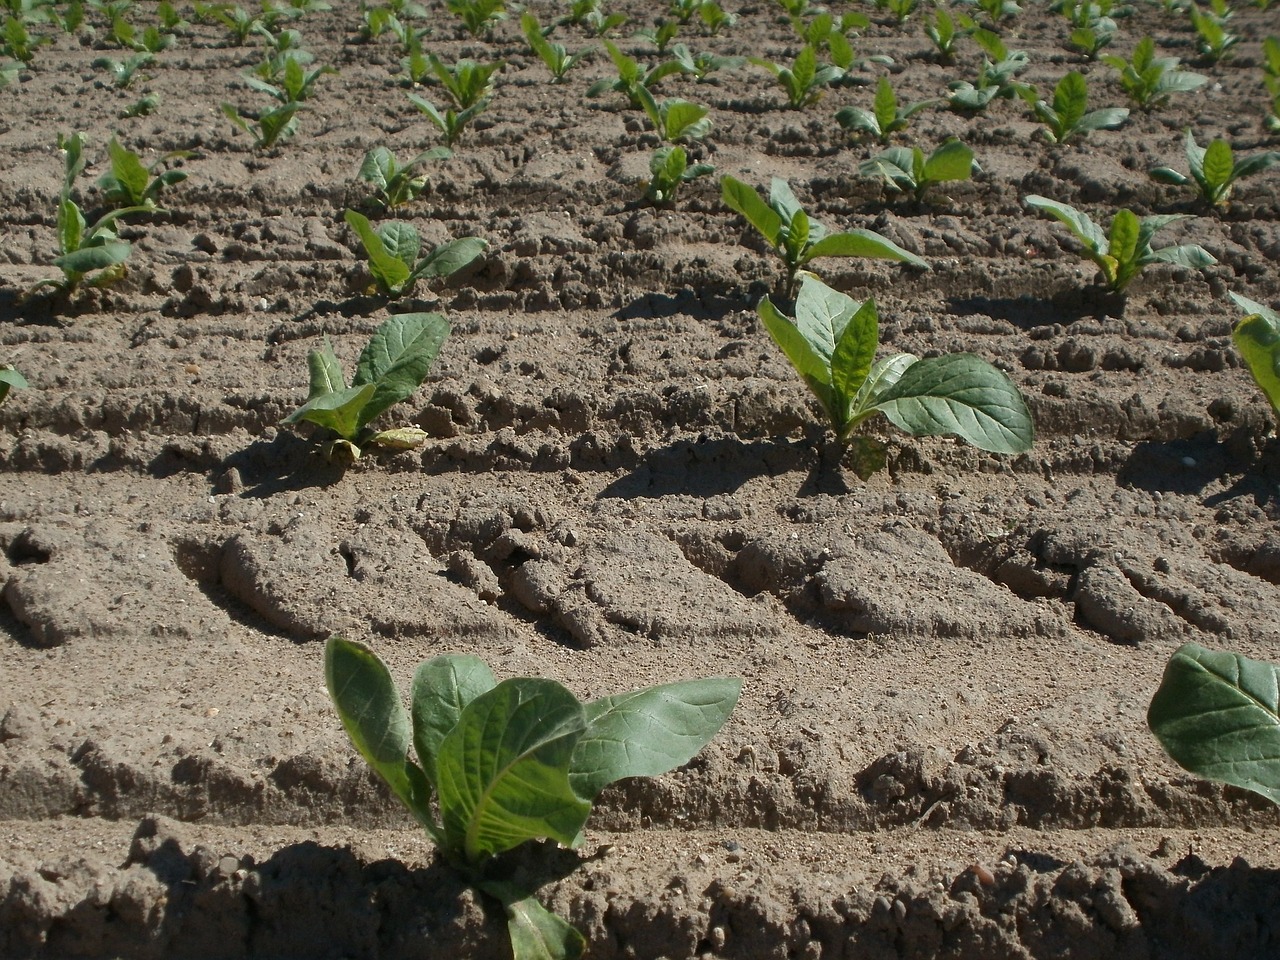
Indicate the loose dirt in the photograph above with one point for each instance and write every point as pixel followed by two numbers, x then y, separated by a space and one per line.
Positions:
pixel 941 748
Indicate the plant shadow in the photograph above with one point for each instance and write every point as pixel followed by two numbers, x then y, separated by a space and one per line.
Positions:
pixel 1027 312
pixel 286 463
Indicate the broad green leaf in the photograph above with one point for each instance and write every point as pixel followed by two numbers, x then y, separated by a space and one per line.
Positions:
pixel 371 712
pixel 397 358
pixel 401 241
pixel 1086 231
pixel 128 172
pixel 649 732
pixel 744 200
pixel 504 770
pixel 389 270
pixel 449 258
pixel 379 167
pixel 1168 175
pixel 339 412
pixel 885 106
pixel 1218 715
pixel 535 932
pixel 1257 337
pixel 1070 100
pixel 70 226
pixel 962 395
pixel 805 72
pixel 861 243
pixel 97 257
pixel 1108 118
pixel 1122 244
pixel 685 119
pixel 442 686
pixel 855 351
pixel 857 120
pixel 813 367
pixel 11 379
pixel 822 314
pixel 326 372
pixel 1190 255
pixel 1246 166
pixel 1180 81
pixel 1218 165
pixel 951 161
pixel 884 374
pixel 783 199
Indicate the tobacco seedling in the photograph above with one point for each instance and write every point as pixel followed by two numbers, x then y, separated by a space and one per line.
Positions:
pixel 1149 80
pixel 901 9
pixel 152 40
pixel 269 127
pixel 478 16
pixel 669 169
pixel 942 31
pixel 391 368
pixel 684 10
pixel 238 21
pixel 555 56
pixel 832 342
pixel 907 169
pixel 83 249
pixel 1090 39
pixel 393 250
pixel 1213 41
pixel 995 77
pixel 130 184
pixel 1214 169
pixel 124 72
pixel 660 35
pixel 10 379
pixel 1069 114
pixel 674 119
pixel 715 18
pixel 467 82
pixel 296 81
pixel 1123 252
pixel 795 237
pixel 449 121
pixel 997 10
pixel 514 761
pixel 700 66
pixel 396 184
pixel 885 118
pixel 631 76
pixel 143 107
pixel 598 23
pixel 825 32
pixel 17 42
pixel 1257 337
pixel 806 80
pixel 1217 714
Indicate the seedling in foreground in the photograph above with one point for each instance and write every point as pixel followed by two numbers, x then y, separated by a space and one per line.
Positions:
pixel 397 184
pixel 1217 714
pixel 1070 114
pixel 1257 337
pixel 467 82
pixel 798 239
pixel 513 761
pixel 391 368
pixel 269 127
pixel 674 119
pixel 1126 250
pixel 885 117
pixel 393 255
pixel 1214 169
pixel 1148 79
pixel 669 169
pixel 907 168
pixel 129 184
pixel 805 81
pixel 832 343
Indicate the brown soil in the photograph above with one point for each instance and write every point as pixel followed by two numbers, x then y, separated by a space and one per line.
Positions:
pixel 941 748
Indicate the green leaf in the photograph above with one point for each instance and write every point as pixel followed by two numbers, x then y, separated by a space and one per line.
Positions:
pixel 884 374
pixel 1190 255
pixel 10 379
pixel 127 182
pixel 70 226
pixel 861 243
pixel 339 411
pixel 1257 337
pixel 1168 175
pixel 449 258
pixel 851 362
pixel 951 161
pixel 379 167
pixel 1217 715
pixel 1218 165
pixel 504 770
pixel 1246 166
pixel 885 106
pixel 813 367
pixel 744 200
pixel 442 687
pixel 1086 231
pixel 401 241
pixel 326 372
pixel 371 712
pixel 962 395
pixel 1070 100
pixel 649 732
pixel 1107 118
pixel 389 271
pixel 538 934
pixel 397 359
pixel 97 257
pixel 1122 244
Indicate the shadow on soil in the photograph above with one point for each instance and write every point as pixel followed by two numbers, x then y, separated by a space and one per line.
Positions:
pixel 1027 312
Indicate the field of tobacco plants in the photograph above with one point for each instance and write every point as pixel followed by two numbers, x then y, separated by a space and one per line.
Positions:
pixel 889 383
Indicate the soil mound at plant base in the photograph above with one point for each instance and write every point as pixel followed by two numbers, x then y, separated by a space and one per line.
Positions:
pixel 941 748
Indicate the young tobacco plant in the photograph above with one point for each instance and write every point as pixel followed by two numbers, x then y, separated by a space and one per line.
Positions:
pixel 1217 714
pixel 631 76
pixel 479 17
pixel 295 81
pixel 942 31
pixel 467 82
pixel 700 66
pixel 396 184
pixel 885 118
pixel 1214 169
pixel 391 368
pixel 669 170
pixel 795 237
pixel 1150 80
pixel 907 169
pixel 124 72
pixel 995 76
pixel 806 80
pixel 514 761
pixel 269 127
pixel 1257 337
pixel 674 119
pixel 715 19
pixel 1213 41
pixel 661 34
pixel 832 342
pixel 1125 250
pixel 130 184
pixel 393 250
pixel 1069 114
pixel 555 56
